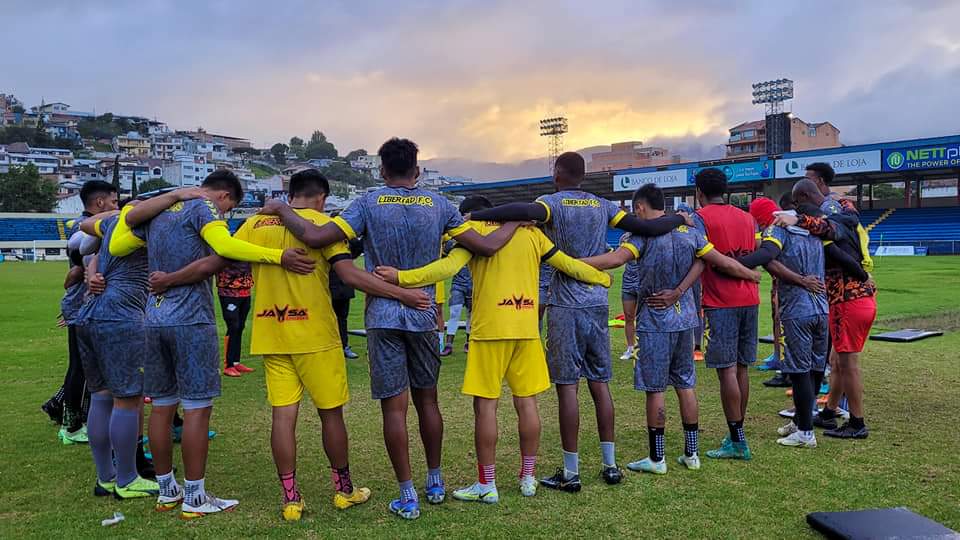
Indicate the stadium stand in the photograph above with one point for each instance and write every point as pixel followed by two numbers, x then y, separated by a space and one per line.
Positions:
pixel 937 229
pixel 30 229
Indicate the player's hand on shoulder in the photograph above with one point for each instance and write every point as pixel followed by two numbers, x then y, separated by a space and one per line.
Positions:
pixel 388 274
pixel 188 193
pixel 687 218
pixel 297 261
pixel 273 207
pixel 784 219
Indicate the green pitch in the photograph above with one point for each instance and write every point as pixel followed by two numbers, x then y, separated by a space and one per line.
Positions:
pixel 910 459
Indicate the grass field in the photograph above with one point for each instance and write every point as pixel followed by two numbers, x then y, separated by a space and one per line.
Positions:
pixel 910 459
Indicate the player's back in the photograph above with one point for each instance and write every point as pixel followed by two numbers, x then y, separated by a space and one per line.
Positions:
pixel 293 313
pixel 577 223
pixel 733 232
pixel 173 242
pixel 125 295
pixel 506 286
pixel 802 253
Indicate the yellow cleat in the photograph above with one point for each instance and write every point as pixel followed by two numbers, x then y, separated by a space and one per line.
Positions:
pixel 292 511
pixel 359 496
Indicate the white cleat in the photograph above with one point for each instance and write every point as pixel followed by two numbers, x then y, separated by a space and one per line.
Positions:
pixel 787 430
pixel 692 462
pixel 798 440
pixel 209 505
pixel 528 486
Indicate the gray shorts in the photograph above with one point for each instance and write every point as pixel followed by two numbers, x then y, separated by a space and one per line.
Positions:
pixel 112 356
pixel 730 335
pixel 629 295
pixel 578 344
pixel 182 361
pixel 461 296
pixel 805 344
pixel 664 358
pixel 401 360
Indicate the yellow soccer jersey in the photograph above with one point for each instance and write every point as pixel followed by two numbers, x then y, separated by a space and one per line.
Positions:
pixel 292 313
pixel 505 286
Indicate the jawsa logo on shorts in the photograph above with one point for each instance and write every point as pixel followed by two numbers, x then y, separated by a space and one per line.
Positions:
pixel 517 302
pixel 284 314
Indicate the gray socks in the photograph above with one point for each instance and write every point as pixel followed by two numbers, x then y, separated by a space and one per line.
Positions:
pixel 98 433
pixel 124 435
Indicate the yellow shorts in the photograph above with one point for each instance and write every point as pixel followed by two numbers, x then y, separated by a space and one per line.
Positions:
pixel 323 374
pixel 520 361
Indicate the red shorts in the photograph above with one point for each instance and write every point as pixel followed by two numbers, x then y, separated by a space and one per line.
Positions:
pixel 850 323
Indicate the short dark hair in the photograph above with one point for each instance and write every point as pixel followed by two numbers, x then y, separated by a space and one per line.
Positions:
pixel 398 157
pixel 309 183
pixel 649 194
pixel 91 189
pixel 786 201
pixel 571 165
pixel 823 170
pixel 711 181
pixel 474 203
pixel 224 180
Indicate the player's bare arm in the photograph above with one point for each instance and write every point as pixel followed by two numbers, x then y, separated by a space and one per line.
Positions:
pixel 488 245
pixel 305 231
pixel 194 272
pixel 370 284
pixel 610 259
pixel 668 297
pixel 150 208
pixel 730 266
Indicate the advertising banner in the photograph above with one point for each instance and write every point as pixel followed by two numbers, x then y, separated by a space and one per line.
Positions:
pixel 663 179
pixel 850 162
pixel 914 158
pixel 741 172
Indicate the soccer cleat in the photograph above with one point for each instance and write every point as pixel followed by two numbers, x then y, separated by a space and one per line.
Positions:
pixel 446 351
pixel 476 493
pixel 359 496
pixel 165 503
pixel 787 430
pixel 768 364
pixel 731 450
pixel 231 372
pixel 825 419
pixel 780 380
pixel 138 487
pixel 242 368
pixel 560 482
pixel 293 510
pixel 824 388
pixel 698 356
pixel 436 493
pixel 528 486
pixel 104 489
pixel 611 475
pixel 406 510
pixel 691 462
pixel 349 354
pixel 627 354
pixel 73 437
pixel 54 410
pixel 209 505
pixel 846 431
pixel 798 440
pixel 649 466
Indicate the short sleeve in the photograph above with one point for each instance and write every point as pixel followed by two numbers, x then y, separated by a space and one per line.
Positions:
pixel 700 243
pixel 699 224
pixel 202 212
pixel 453 222
pixel 546 202
pixel 546 247
pixel 352 221
pixel 614 213
pixel 635 244
pixel 775 234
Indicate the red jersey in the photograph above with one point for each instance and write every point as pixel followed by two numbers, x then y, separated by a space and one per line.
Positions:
pixel 732 232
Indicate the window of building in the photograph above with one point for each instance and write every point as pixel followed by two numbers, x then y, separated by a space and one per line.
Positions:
pixel 811 131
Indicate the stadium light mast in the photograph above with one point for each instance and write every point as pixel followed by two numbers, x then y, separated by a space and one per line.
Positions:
pixel 772 94
pixel 554 129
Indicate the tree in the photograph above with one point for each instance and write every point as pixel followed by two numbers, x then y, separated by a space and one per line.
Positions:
pixel 319 147
pixel 23 190
pixel 116 173
pixel 153 185
pixel 133 185
pixel 886 191
pixel 339 171
pixel 355 154
pixel 279 152
pixel 296 146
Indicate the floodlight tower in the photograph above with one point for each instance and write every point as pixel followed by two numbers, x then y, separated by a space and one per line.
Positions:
pixel 553 129
pixel 772 94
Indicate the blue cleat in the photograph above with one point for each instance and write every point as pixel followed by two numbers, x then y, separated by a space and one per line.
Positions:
pixel 406 510
pixel 436 493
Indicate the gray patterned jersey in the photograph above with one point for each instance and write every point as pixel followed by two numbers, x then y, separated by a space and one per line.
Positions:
pixel 174 241
pixel 400 227
pixel 125 297
pixel 830 206
pixel 73 296
pixel 462 280
pixel 663 262
pixel 631 273
pixel 803 253
pixel 577 224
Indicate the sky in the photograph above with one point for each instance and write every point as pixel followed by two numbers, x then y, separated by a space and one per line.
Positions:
pixel 470 80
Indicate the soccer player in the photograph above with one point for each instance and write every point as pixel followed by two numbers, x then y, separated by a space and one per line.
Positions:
pixel 341 295
pixel 802 316
pixel 666 322
pixel 853 307
pixel 730 306
pixel 629 284
pixel 233 287
pixel 402 225
pixel 578 340
pixel 461 290
pixel 762 210
pixel 97 196
pixel 182 357
pixel 505 344
pixel 110 327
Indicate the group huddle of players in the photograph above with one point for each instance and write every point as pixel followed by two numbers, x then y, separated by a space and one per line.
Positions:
pixel 147 328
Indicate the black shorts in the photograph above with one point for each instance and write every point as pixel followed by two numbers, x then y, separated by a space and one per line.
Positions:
pixel 401 360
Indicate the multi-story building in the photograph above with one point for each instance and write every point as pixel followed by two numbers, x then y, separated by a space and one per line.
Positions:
pixel 750 138
pixel 368 163
pixel 45 164
pixel 132 145
pixel 628 155
pixel 187 170
pixel 165 147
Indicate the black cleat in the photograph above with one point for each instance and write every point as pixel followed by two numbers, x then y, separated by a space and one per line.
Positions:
pixel 826 419
pixel 54 410
pixel 145 466
pixel 778 381
pixel 557 481
pixel 612 475
pixel 846 431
